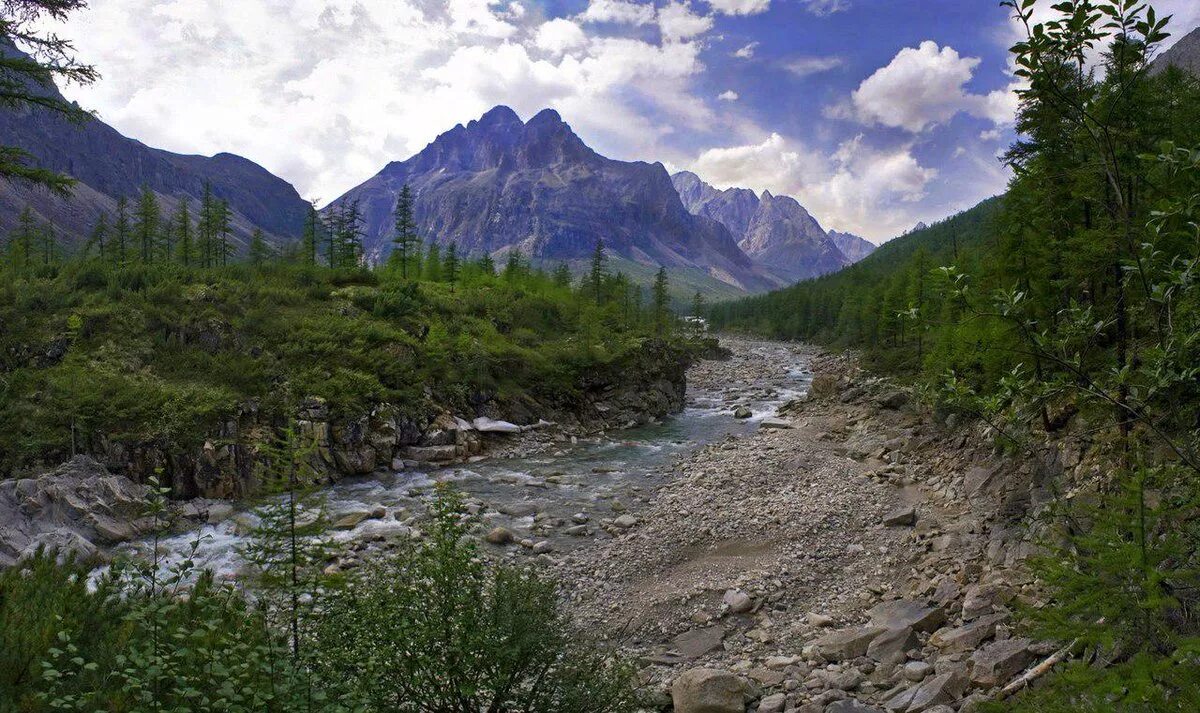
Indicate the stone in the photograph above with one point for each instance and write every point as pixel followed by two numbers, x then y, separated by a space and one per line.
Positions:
pixel 625 522
pixel 981 599
pixel 350 520
pixel 939 690
pixel 487 425
pixel 900 517
pixel 772 423
pixel 891 645
pixel 499 536
pixel 979 480
pixel 847 643
pixel 576 530
pixel 901 613
pixel 697 642
pixel 766 676
pixel 819 620
pixel 773 703
pixel 850 705
pixel 824 386
pixel 742 412
pixel 542 547
pixel 916 671
pixel 893 400
pixel 1000 662
pixel 432 454
pixel 738 601
pixel 708 690
pixel 967 637
pixel 378 512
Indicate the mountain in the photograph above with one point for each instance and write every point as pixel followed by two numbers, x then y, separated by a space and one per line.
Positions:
pixel 108 166
pixel 775 231
pixel 852 246
pixel 499 184
pixel 1184 54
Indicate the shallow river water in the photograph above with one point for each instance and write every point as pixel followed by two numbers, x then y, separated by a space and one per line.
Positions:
pixel 593 478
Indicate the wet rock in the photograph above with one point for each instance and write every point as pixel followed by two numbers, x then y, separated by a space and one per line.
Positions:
pixel 742 412
pixel 706 690
pixel 499 536
pixel 999 662
pixel 350 520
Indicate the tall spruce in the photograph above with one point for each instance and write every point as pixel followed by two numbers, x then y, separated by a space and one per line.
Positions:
pixel 311 238
pixel 406 240
pixel 451 267
pixel 662 302
pixel 260 252
pixel 97 243
pixel 185 247
pixel 597 273
pixel 147 226
pixel 121 231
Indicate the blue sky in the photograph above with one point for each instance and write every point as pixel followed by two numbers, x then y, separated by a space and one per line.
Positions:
pixel 875 114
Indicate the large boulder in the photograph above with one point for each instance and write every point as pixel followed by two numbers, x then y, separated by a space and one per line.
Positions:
pixel 901 613
pixel 73 507
pixel 999 662
pixel 708 690
pixel 847 643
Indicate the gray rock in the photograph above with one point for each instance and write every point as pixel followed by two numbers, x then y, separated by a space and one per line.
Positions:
pixel 625 522
pixel 939 690
pixel 738 601
pixel 893 400
pixel 350 520
pixel 742 412
pixel 772 423
pixel 499 536
pixel 901 613
pixel 916 671
pixel 999 662
pixel 697 642
pixel 968 637
pixel 707 690
pixel 847 643
pixel 891 645
pixel 850 706
pixel 900 517
pixel 773 703
pixel 487 425
pixel 432 454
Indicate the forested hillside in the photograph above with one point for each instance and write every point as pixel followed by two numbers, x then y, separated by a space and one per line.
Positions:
pixel 1067 311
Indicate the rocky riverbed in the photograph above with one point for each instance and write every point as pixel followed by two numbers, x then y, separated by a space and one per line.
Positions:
pixel 789 542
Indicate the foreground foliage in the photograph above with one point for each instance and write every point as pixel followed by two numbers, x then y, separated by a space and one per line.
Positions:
pixel 432 628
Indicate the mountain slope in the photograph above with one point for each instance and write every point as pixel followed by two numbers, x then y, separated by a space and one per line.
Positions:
pixel 1184 54
pixel 775 231
pixel 852 246
pixel 109 166
pixel 499 184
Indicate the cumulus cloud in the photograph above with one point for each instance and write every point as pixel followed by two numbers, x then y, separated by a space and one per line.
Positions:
pixel 869 191
pixel 628 12
pixel 740 7
pixel 804 66
pixel 826 7
pixel 560 35
pixel 926 85
pixel 728 95
pixel 677 21
pixel 747 51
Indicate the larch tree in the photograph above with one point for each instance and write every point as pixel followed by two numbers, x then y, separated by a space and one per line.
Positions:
pixel 662 302
pixel 260 251
pixel 450 266
pixel 597 272
pixel 121 234
pixel 407 241
pixel 148 217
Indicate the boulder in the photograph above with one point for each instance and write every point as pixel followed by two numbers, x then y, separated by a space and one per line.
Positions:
pixel 738 601
pixel 431 454
pixel 499 536
pixel 708 690
pixel 350 520
pixel 850 705
pixel 900 517
pixel 847 643
pixel 742 412
pixel 901 613
pixel 940 690
pixel 1000 662
pixel 824 386
pixel 967 637
pixel 697 642
pixel 773 703
pixel 774 423
pixel 893 400
pixel 891 645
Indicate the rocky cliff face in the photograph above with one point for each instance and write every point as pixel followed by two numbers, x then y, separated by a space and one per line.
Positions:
pixel 1184 54
pixel 776 232
pixel 109 166
pixel 852 246
pixel 499 184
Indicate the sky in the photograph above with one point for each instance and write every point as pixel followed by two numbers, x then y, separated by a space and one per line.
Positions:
pixel 875 114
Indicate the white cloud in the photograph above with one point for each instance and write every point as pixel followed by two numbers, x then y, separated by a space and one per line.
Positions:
pixel 728 96
pixel 746 52
pixel 558 36
pixel 677 21
pixel 924 86
pixel 804 66
pixel 628 12
pixel 826 7
pixel 869 191
pixel 740 7
pixel 989 135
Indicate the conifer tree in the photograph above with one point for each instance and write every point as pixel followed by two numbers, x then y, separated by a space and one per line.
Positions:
pixel 260 252
pixel 185 248
pixel 514 267
pixel 562 275
pixel 21 245
pixel 697 304
pixel 662 309
pixel 148 217
pixel 206 230
pixel 98 240
pixel 333 226
pixel 433 263
pixel 596 274
pixel 450 266
pixel 121 231
pixel 311 238
pixel 407 241
pixel 350 235
pixel 221 232
pixel 487 266
pixel 49 244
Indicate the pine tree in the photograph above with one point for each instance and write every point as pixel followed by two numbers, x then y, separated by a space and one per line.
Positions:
pixel 221 232
pixel 350 235
pixel 662 309
pixel 597 272
pixel 21 244
pixel 514 267
pixel 562 275
pixel 333 228
pixel 311 239
pixel 185 248
pixel 98 240
pixel 697 304
pixel 260 252
pixel 148 216
pixel 450 266
pixel 433 264
pixel 206 230
pixel 49 244
pixel 406 240
pixel 487 266
pixel 121 231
